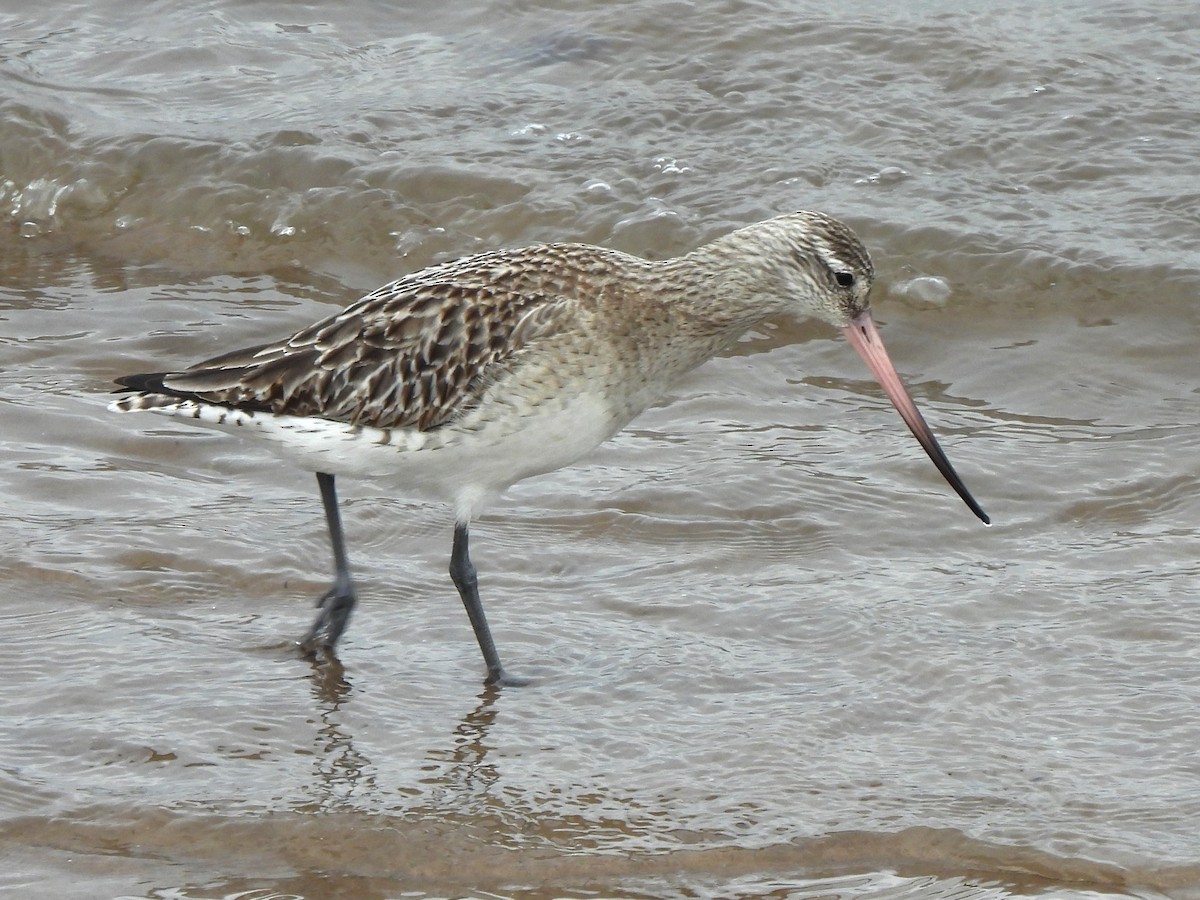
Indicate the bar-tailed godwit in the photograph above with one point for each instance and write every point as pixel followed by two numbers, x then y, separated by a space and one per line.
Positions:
pixel 464 378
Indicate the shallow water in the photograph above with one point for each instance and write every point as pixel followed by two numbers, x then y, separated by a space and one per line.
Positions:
pixel 772 656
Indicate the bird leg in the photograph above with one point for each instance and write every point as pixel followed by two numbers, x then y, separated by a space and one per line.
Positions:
pixel 462 572
pixel 337 603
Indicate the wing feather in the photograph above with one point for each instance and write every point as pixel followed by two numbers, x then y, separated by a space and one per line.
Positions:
pixel 414 353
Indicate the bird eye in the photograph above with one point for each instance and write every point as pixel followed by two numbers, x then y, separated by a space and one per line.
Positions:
pixel 845 279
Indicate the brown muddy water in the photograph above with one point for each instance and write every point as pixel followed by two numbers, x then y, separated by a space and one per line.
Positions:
pixel 772 656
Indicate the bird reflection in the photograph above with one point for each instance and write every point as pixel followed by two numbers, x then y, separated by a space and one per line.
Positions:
pixel 462 773
pixel 342 771
pixel 469 770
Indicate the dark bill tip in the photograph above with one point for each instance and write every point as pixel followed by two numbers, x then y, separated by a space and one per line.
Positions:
pixel 864 337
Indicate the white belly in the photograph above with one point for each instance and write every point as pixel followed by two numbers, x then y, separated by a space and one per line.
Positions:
pixel 466 464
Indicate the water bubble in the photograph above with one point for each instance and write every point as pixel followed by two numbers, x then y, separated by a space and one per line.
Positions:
pixel 669 165
pixel 927 289
pixel 886 175
pixel 533 129
pixel 30 229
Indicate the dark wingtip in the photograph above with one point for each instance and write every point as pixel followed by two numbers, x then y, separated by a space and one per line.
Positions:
pixel 148 382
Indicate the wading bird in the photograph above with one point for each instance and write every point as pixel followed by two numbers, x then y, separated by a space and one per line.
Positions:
pixel 466 377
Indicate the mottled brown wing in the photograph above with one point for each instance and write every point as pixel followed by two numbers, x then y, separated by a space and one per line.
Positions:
pixel 413 353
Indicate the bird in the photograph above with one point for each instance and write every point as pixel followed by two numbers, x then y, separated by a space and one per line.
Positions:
pixel 463 378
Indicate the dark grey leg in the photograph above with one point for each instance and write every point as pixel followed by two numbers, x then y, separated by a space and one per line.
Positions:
pixel 338 602
pixel 463 574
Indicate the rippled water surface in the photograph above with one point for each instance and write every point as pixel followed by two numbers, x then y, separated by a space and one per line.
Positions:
pixel 772 656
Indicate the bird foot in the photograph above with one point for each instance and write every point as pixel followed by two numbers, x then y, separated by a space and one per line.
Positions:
pixel 500 678
pixel 335 606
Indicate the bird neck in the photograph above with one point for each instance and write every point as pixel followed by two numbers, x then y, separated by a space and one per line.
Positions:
pixel 719 292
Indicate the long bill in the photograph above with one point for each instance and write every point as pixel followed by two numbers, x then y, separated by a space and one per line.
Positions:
pixel 864 337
